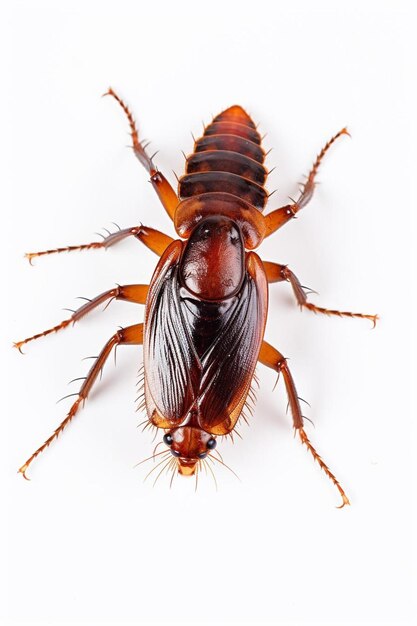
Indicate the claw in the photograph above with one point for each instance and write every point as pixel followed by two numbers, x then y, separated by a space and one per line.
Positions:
pixel 22 470
pixel 345 499
pixel 18 345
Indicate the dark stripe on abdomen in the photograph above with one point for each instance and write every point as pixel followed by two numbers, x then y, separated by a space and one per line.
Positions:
pixel 230 128
pixel 226 161
pixel 207 182
pixel 231 143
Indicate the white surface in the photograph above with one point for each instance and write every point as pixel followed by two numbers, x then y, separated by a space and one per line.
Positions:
pixel 88 542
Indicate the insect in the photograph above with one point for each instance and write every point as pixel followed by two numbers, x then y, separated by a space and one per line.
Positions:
pixel 207 302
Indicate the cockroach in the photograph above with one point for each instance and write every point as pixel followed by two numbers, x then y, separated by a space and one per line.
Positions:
pixel 207 302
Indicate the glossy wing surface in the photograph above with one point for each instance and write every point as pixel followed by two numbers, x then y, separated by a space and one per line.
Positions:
pixel 229 365
pixel 172 368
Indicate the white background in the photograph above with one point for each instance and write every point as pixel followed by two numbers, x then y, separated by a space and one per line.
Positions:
pixel 87 541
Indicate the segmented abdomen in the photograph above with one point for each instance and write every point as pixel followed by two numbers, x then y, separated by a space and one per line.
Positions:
pixel 227 158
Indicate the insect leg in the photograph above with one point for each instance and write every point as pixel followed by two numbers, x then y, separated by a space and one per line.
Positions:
pixel 128 293
pixel 153 239
pixel 270 357
pixel 281 216
pixel 162 187
pixel 276 273
pixel 132 335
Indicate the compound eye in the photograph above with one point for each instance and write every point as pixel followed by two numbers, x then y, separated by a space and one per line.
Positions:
pixel 202 455
pixel 175 452
pixel 211 443
pixel 167 438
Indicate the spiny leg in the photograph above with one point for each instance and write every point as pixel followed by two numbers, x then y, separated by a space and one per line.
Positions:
pixel 270 357
pixel 281 216
pixel 276 273
pixel 162 187
pixel 132 335
pixel 308 187
pixel 153 239
pixel 128 293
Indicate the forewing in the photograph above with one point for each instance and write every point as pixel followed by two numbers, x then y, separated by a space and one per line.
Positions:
pixel 229 365
pixel 172 369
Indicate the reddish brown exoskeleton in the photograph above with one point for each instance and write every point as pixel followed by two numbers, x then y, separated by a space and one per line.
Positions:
pixel 207 302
